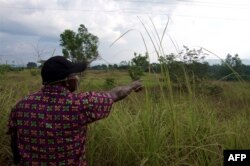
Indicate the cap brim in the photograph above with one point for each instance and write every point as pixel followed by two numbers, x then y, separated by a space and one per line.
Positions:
pixel 78 68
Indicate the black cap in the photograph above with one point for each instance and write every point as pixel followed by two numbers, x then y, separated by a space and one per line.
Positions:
pixel 58 68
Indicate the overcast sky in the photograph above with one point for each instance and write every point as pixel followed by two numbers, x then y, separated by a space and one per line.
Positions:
pixel 32 27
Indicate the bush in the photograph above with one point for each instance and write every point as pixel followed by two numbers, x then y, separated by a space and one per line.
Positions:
pixel 34 72
pixel 17 69
pixel 4 69
pixel 109 83
pixel 31 65
pixel 215 90
pixel 135 72
pixel 210 89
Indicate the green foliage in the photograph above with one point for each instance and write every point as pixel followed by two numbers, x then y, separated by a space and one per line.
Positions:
pixel 100 67
pixel 176 71
pixel 135 72
pixel 231 68
pixel 31 65
pixel 167 59
pixel 35 72
pixel 227 73
pixel 192 55
pixel 4 69
pixel 113 67
pixel 210 89
pixel 81 46
pixel 189 62
pixel 215 90
pixel 124 65
pixel 246 72
pixel 189 130
pixel 109 83
pixel 139 65
pixel 140 61
pixel 233 61
pixel 199 70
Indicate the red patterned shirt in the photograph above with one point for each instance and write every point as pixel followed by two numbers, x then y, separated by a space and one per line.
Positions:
pixel 51 125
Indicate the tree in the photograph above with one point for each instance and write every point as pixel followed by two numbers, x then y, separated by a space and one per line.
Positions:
pixel 4 68
pixel 115 66
pixel 234 62
pixel 190 63
pixel 139 65
pixel 31 65
pixel 167 59
pixel 231 66
pixel 192 55
pixel 124 65
pixel 81 46
pixel 140 61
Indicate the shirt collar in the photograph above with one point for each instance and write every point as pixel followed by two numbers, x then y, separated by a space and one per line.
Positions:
pixel 55 89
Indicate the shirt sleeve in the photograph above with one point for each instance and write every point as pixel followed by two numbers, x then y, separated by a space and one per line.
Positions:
pixel 12 131
pixel 96 105
pixel 12 122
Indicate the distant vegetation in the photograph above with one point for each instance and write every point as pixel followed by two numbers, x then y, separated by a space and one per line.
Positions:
pixel 167 123
pixel 193 64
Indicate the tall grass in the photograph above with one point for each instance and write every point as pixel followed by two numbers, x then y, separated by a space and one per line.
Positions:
pixel 143 134
pixel 171 127
pixel 140 129
pixel 5 99
pixel 13 87
pixel 159 126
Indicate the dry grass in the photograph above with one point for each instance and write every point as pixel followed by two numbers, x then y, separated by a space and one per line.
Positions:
pixel 148 128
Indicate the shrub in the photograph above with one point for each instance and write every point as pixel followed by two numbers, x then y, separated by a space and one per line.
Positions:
pixel 4 69
pixel 34 72
pixel 215 90
pixel 210 89
pixel 135 72
pixel 109 82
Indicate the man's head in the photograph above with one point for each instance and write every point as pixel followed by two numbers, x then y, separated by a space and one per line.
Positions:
pixel 58 69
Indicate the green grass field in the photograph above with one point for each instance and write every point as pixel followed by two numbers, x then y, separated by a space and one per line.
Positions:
pixel 162 125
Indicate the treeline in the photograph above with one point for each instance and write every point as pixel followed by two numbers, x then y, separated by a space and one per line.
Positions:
pixel 7 68
pixel 192 65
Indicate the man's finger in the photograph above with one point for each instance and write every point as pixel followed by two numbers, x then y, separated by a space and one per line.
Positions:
pixel 138 89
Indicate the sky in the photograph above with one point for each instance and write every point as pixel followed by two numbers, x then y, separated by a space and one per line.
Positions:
pixel 30 29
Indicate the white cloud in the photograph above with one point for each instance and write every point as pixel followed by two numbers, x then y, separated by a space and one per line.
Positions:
pixel 220 26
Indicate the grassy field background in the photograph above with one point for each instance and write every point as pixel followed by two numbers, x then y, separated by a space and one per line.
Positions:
pixel 162 125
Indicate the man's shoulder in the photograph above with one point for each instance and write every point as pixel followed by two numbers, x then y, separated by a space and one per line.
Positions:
pixel 29 98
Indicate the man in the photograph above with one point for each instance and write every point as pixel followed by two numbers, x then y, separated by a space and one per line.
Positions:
pixel 49 127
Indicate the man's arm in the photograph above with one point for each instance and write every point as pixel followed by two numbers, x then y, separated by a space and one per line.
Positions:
pixel 121 92
pixel 98 105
